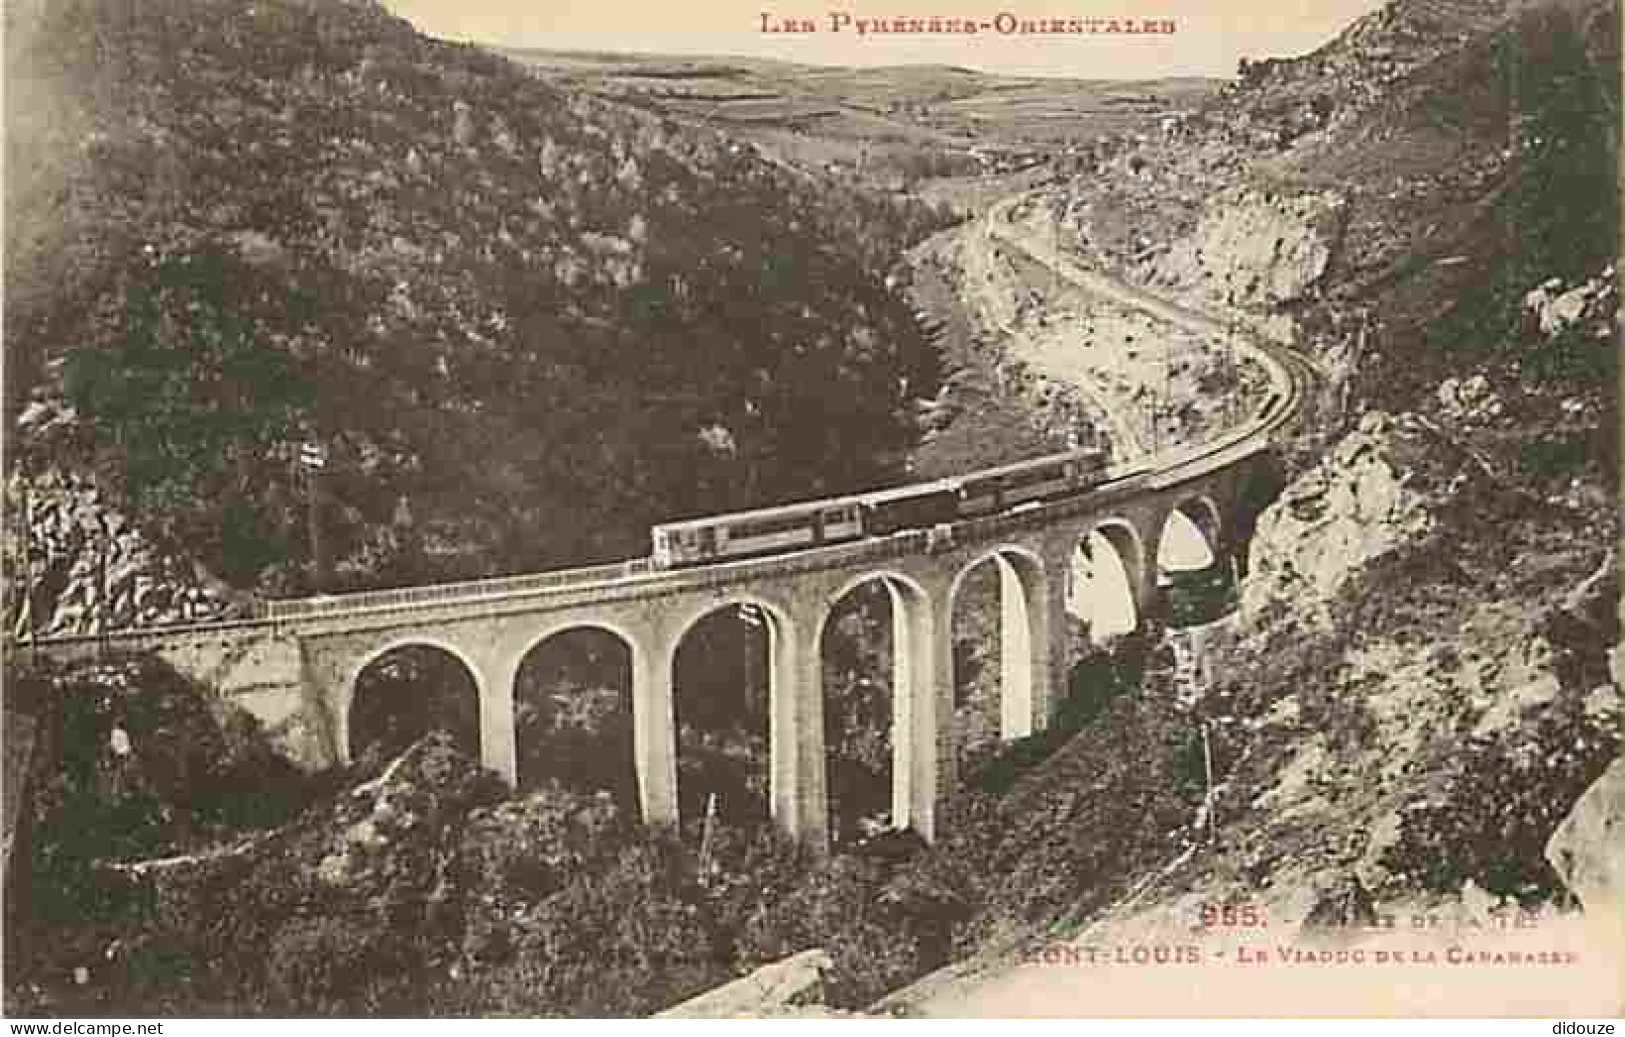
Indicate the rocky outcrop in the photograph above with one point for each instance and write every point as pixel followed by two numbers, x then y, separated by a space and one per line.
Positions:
pixel 89 569
pixel 389 827
pixel 789 984
pixel 1589 308
pixel 18 752
pixel 1588 848
pixel 1257 247
pixel 1382 488
pixel 1397 676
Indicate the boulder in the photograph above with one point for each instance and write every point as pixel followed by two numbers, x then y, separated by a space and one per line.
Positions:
pixel 1588 848
pixel 396 827
pixel 88 568
pixel 1382 488
pixel 1590 305
pixel 796 981
pixel 1258 247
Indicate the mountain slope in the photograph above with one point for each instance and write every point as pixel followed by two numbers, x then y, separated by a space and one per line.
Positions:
pixel 1419 684
pixel 523 324
pixel 1411 208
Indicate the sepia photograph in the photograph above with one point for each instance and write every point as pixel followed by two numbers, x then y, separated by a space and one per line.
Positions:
pixel 821 510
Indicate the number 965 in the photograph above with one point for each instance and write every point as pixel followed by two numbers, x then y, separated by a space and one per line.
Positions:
pixel 1231 916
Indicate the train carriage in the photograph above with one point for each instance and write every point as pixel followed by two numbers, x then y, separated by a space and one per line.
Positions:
pixel 793 527
pixel 764 531
pixel 1057 475
pixel 910 507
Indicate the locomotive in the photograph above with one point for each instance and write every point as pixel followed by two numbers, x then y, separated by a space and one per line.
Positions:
pixel 883 512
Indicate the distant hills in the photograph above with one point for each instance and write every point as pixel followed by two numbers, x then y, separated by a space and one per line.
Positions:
pixel 894 126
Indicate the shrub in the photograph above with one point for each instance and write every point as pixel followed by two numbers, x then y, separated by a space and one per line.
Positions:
pixel 838 908
pixel 1500 802
pixel 1108 805
pixel 623 941
pixel 317 964
pixel 517 854
pixel 746 869
pixel 139 762
pixel 1097 679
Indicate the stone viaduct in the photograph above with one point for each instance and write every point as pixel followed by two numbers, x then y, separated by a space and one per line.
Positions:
pixel 296 667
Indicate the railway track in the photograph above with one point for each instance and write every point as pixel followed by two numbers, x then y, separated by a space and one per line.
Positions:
pixel 1291 374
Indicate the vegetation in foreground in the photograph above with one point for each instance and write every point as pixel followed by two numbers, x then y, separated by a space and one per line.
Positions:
pixel 185 868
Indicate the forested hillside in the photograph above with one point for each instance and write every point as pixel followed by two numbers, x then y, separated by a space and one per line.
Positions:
pixel 523 325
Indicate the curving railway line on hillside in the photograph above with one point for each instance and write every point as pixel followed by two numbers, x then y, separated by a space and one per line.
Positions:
pixel 296 663
pixel 1291 377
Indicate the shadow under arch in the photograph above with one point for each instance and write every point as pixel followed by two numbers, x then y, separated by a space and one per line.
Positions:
pixel 572 698
pixel 404 690
pixel 874 636
pixel 1196 570
pixel 727 666
pixel 1107 568
pixel 1017 575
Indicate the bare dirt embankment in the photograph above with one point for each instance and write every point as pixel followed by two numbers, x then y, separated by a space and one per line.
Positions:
pixel 1150 381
